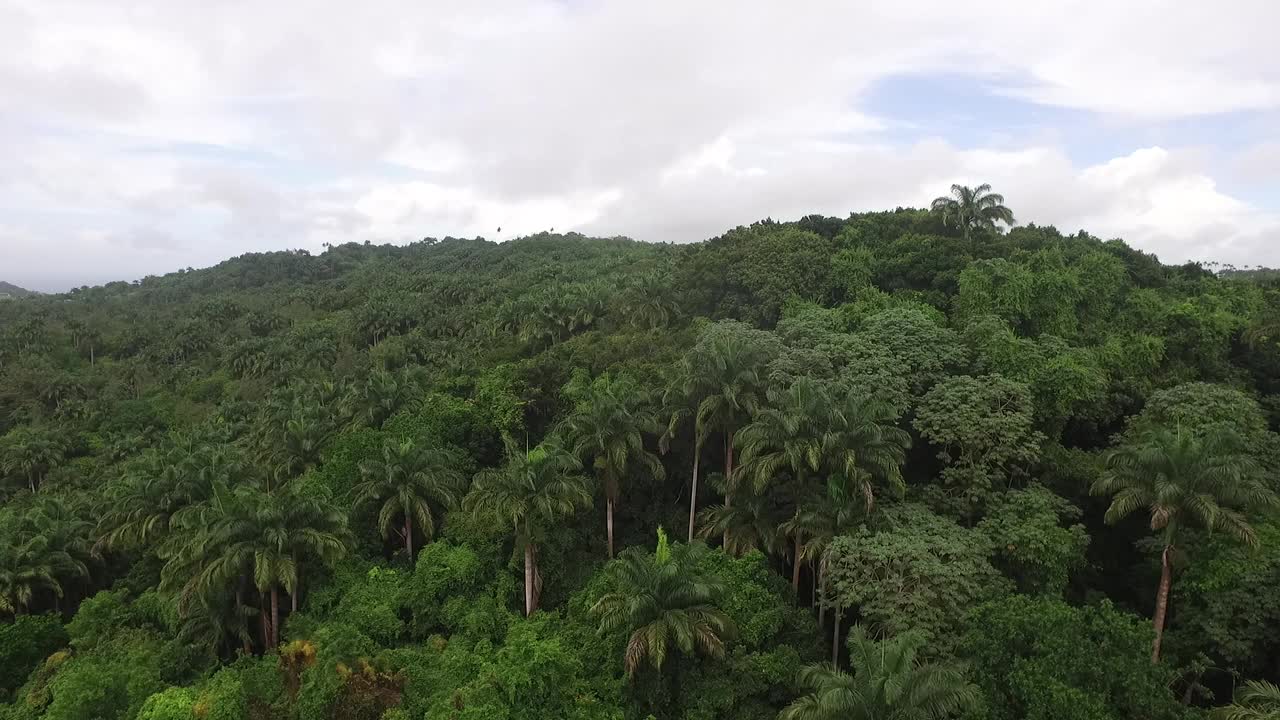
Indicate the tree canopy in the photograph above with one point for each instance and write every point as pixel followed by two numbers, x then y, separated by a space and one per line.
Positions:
pixel 917 463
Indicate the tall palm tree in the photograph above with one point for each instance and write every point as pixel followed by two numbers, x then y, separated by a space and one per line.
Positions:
pixel 160 485
pixel 726 380
pixel 31 453
pixel 862 444
pixel 750 523
pixel 409 480
pixel 1183 480
pixel 973 208
pixel 680 402
pixel 664 602
pixel 1257 700
pixel 888 683
pixel 609 427
pixel 529 492
pixel 808 431
pixel 248 533
pixel 30 564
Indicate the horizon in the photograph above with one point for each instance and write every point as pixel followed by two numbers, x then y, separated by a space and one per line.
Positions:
pixel 144 139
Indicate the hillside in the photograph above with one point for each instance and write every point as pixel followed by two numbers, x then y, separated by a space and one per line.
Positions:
pixel 9 290
pixel 334 485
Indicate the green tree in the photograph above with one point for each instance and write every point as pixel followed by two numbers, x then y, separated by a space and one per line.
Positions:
pixel 889 682
pixel 972 209
pixel 608 426
pixel 725 379
pixel 1257 700
pixel 30 453
pixel 246 533
pixel 528 493
pixel 1183 480
pixel 664 602
pixel 1039 658
pixel 408 480
pixel 30 565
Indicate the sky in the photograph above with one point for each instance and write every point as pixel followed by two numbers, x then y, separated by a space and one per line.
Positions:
pixel 139 137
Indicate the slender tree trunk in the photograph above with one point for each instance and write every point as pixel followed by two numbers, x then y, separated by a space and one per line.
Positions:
pixel 795 568
pixel 835 637
pixel 91 354
pixel 297 589
pixel 275 616
pixel 728 478
pixel 822 595
pixel 31 477
pixel 608 523
pixel 528 579
pixel 408 536
pixel 693 496
pixel 244 640
pixel 1162 602
pixel 265 624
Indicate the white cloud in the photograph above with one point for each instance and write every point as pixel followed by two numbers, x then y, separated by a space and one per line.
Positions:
pixel 391 119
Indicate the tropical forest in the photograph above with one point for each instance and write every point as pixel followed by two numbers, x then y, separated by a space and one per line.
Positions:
pixel 905 465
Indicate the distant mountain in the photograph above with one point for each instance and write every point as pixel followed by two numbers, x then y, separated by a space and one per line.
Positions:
pixel 8 290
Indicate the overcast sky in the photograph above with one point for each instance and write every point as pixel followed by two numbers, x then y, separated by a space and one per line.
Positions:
pixel 142 137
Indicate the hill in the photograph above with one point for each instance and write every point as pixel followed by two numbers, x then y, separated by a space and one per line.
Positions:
pixel 9 290
pixel 387 481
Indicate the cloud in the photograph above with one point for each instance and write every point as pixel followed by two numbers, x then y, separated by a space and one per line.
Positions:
pixel 664 121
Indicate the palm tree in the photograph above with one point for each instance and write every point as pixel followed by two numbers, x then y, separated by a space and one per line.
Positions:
pixel 721 379
pixel 160 485
pixel 529 492
pixel 248 533
pixel 862 444
pixel 408 481
pixel 30 564
pixel 811 528
pixel 1257 700
pixel 664 602
pixel 680 402
pixel 609 426
pixel 1183 480
pixel 808 431
pixel 749 524
pixel 381 395
pixel 973 208
pixel 888 683
pixel 31 453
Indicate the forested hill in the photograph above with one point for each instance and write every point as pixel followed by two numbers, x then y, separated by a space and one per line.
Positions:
pixel 989 468
pixel 9 290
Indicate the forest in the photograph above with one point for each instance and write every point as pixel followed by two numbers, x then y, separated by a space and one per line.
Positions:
pixel 900 465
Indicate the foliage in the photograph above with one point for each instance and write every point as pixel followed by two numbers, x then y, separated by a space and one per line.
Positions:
pixel 888 681
pixel 1039 658
pixel 918 572
pixel 215 482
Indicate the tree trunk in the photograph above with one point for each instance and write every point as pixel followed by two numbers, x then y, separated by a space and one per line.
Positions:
pixel 728 478
pixel 795 568
pixel 528 579
pixel 408 537
pixel 244 640
pixel 91 353
pixel 275 616
pixel 693 496
pixel 31 477
pixel 822 595
pixel 297 589
pixel 265 624
pixel 835 637
pixel 1162 602
pixel 608 523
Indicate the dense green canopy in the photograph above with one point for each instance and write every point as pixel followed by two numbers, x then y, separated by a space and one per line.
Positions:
pixel 978 469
